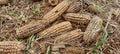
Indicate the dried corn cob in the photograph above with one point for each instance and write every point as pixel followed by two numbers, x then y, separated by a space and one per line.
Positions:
pixel 78 18
pixel 11 47
pixel 59 20
pixel 75 7
pixel 74 50
pixel 93 9
pixel 56 29
pixel 92 30
pixel 4 1
pixel 70 36
pixel 57 11
pixel 53 2
pixel 30 29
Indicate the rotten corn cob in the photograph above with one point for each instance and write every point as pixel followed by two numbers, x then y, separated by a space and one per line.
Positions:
pixel 70 36
pixel 56 29
pixel 92 30
pixel 77 18
pixel 30 29
pixel 11 47
pixel 57 11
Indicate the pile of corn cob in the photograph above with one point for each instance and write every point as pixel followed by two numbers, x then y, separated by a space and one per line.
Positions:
pixel 63 31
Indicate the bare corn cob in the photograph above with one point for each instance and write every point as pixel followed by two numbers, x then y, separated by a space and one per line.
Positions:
pixel 74 50
pixel 70 36
pixel 30 29
pixel 75 7
pixel 56 29
pixel 59 20
pixel 11 47
pixel 92 30
pixel 57 11
pixel 4 1
pixel 78 18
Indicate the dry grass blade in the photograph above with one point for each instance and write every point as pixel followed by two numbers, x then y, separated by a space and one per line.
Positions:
pixel 113 45
pixel 69 37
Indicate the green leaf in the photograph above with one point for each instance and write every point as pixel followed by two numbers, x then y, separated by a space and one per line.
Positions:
pixel 37 10
pixel 101 42
pixel 96 52
pixel 106 35
pixel 17 39
pixel 109 3
pixel 48 50
pixel 101 25
pixel 30 16
pixel 21 17
pixel 30 40
pixel 13 13
pixel 93 4
pixel 17 26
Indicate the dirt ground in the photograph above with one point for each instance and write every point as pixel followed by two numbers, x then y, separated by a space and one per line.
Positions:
pixel 21 12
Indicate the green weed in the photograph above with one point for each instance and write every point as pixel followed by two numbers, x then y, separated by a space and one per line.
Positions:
pixel 18 39
pixel 99 7
pixel 13 13
pixel 30 40
pixel 48 50
pixel 16 26
pixel 31 16
pixel 99 44
pixel 37 10
pixel 21 17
